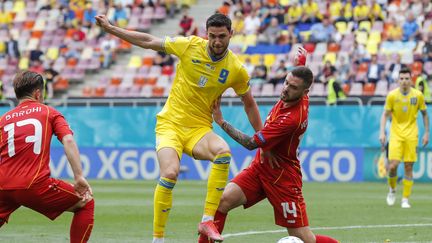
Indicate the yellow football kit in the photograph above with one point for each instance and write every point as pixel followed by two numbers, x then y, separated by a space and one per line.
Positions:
pixel 404 130
pixel 199 81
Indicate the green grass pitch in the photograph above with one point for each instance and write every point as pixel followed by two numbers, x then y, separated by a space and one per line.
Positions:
pixel 352 212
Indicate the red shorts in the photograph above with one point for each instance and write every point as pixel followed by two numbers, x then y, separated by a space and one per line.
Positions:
pixel 50 197
pixel 287 201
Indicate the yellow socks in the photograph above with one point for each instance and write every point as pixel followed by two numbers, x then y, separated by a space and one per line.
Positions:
pixel 392 182
pixel 407 186
pixel 162 205
pixel 216 184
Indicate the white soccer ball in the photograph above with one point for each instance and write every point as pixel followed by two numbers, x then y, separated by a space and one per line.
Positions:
pixel 290 239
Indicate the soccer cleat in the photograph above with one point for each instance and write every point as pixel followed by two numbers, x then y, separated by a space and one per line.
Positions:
pixel 405 203
pixel 208 229
pixel 391 198
pixel 158 240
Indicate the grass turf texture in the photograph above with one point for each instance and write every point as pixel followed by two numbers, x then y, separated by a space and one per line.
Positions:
pixel 124 213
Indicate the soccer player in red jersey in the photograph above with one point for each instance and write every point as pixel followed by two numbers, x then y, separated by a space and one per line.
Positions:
pixel 275 172
pixel 25 138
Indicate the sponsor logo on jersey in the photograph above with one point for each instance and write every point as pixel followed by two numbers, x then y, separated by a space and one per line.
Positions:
pixel 210 67
pixel 196 61
pixel 413 101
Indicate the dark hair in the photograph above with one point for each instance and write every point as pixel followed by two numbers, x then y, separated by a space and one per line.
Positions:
pixel 26 82
pixel 405 70
pixel 218 20
pixel 305 74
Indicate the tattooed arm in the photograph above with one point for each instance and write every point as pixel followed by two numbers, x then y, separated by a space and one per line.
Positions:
pixel 243 139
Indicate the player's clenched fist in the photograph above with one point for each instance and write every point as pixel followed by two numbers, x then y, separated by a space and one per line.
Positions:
pixel 102 21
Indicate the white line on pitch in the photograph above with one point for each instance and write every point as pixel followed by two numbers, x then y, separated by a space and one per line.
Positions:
pixel 330 228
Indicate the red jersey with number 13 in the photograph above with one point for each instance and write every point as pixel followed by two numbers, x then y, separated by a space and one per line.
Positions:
pixel 25 139
pixel 282 132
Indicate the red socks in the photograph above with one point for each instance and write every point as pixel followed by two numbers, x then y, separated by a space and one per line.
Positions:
pixel 219 220
pixel 325 239
pixel 82 223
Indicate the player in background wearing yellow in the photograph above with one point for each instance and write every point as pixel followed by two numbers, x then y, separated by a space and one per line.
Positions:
pixel 402 105
pixel 206 69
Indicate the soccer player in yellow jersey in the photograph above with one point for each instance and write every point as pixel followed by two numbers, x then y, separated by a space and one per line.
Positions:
pixel 206 69
pixel 402 105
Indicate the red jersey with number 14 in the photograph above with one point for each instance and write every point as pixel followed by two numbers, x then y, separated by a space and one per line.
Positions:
pixel 282 132
pixel 25 139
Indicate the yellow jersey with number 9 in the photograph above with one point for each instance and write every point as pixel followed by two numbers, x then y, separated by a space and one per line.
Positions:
pixel 199 81
pixel 404 109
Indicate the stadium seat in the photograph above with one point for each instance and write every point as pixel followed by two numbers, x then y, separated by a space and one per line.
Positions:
pixel 317 89
pixel 346 88
pixel 369 89
pixel 374 37
pixel 267 89
pixel 341 27
pixel 363 67
pixel 381 88
pixel 428 68
pixel 331 57
pixel 167 70
pixel 255 59
pixel 158 91
pixel 250 40
pixel 135 61
pixel 139 81
pixel 333 47
pixel 372 48
pixel 147 61
pixel 87 91
pixel 151 80
pixel 62 84
pixel 309 46
pixel 269 59
pixel 99 92
pixel 362 37
pixel 356 89
pixel 365 25
pixel 115 81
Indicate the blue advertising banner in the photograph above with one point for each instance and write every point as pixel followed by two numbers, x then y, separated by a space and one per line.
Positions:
pixel 319 164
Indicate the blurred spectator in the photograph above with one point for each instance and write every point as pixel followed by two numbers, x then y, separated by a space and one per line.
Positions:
pixel 348 10
pixel 311 13
pixel 35 55
pixel 108 47
pixel 427 9
pixel 120 16
pixel 5 17
pixel 279 74
pixel 326 72
pixel 252 23
pixel 74 46
pixel 249 66
pixel 358 52
pixel 171 6
pixel 410 28
pixel 422 85
pixel 361 11
pixel 336 11
pixel 51 76
pixel 376 12
pixel 290 36
pixel 163 59
pixel 394 31
pixel 238 23
pixel 270 34
pixel 259 74
pixel 37 67
pixel 393 72
pixel 294 13
pixel 89 16
pixel 334 91
pixel 417 9
pixel 427 49
pixel 187 24
pixel 344 73
pixel 11 47
pixel 323 32
pixel 375 71
pixel 225 8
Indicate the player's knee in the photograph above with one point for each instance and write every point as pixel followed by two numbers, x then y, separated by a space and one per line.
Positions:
pixel 170 173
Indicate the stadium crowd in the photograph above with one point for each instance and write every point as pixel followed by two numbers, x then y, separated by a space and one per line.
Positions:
pixel 358 46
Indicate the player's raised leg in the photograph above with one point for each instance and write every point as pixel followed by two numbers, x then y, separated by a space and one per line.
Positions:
pixel 214 148
pixel 169 164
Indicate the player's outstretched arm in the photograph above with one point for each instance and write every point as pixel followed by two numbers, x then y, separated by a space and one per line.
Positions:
pixel 71 150
pixel 140 39
pixel 251 109
pixel 243 139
